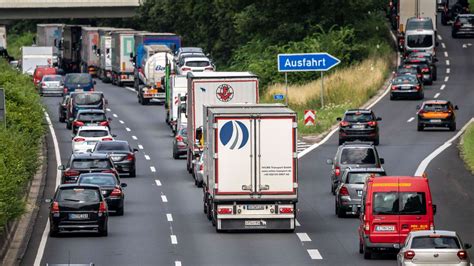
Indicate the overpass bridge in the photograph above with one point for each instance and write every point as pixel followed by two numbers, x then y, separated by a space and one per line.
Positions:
pixel 45 9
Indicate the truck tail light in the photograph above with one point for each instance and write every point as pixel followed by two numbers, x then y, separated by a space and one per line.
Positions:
pixel 286 210
pixel 224 210
pixel 409 254
pixel 462 255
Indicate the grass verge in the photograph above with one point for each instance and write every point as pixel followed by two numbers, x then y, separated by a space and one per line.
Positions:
pixel 467 148
pixel 344 88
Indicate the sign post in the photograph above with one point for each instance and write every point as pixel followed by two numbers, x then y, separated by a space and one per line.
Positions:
pixel 3 116
pixel 319 62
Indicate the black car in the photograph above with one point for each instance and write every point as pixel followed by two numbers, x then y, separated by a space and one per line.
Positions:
pixel 86 163
pixel 451 12
pixel 430 59
pixel 406 86
pixel 463 26
pixel 84 100
pixel 62 109
pixel 78 82
pixel 121 153
pixel 359 124
pixel 111 188
pixel 90 117
pixel 410 70
pixel 424 65
pixel 78 207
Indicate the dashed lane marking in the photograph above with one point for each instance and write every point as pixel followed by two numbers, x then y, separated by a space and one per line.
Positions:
pixel 448 70
pixel 437 95
pixel 464 46
pixel 153 169
pixel 174 240
pixel 446 79
pixel 447 62
pixel 314 254
pixel 130 89
pixel 164 198
pixel 140 147
pixel 443 45
pixel 442 87
pixel 134 137
pixel 177 263
pixel 169 217
pixel 304 237
pixel 108 109
pixel 128 129
pixel 121 121
pixel 158 182
pixel 411 119
pixel 147 157
pixel 297 223
pixel 115 115
pixel 445 54
pixel 440 38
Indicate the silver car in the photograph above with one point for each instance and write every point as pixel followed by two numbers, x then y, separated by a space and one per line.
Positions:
pixel 433 247
pixel 51 84
pixel 349 190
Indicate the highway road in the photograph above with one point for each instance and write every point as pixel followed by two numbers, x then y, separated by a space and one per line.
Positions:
pixel 164 223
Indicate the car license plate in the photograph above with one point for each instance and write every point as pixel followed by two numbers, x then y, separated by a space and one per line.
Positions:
pixel 385 228
pixel 435 120
pixel 92 124
pixel 358 126
pixel 116 158
pixel 255 207
pixel 359 193
pixel 258 223
pixel 78 216
pixel 79 90
pixel 91 142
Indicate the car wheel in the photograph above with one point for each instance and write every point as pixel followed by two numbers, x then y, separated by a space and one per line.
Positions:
pixel 133 173
pixel 204 209
pixel 196 183
pixel 104 231
pixel 333 189
pixel 61 119
pixel 367 254
pixel 452 127
pixel 377 141
pixel 454 35
pixel 68 125
pixel 119 211
pixel 443 21
pixel 145 101
pixel 175 154
pixel 339 212
pixel 421 96
pixel 214 215
pixel 420 127
pixel 336 207
pixel 361 247
pixel 53 231
pixel 341 141
pixel 209 211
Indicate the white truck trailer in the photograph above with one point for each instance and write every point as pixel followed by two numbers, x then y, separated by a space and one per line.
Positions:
pixel 205 88
pixel 32 56
pixel 104 51
pixel 49 35
pixel 250 167
pixel 3 37
pixel 178 88
pixel 90 44
pixel 122 46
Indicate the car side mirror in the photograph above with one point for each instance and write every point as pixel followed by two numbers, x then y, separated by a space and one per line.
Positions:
pixel 437 44
pixel 418 107
pixel 382 160
pixel 329 161
pixel 467 245
pixel 61 167
pixel 379 119
pixel 435 208
pixel 135 150
pixel 109 119
pixel 95 82
pixel 48 200
pixel 338 119
pixel 89 150
pixel 456 107
pixel 123 185
pixel 113 135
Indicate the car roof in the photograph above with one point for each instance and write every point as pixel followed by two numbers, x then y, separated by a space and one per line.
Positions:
pixel 196 58
pixel 435 102
pixel 89 155
pixel 86 92
pixel 358 111
pixel 78 186
pixel 98 111
pixel 420 18
pixel 93 128
pixel 432 232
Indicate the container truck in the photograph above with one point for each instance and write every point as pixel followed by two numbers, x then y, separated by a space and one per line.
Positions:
pixel 250 166
pixel 3 37
pixel 178 88
pixel 70 48
pixel 49 35
pixel 205 88
pixel 89 47
pixel 158 58
pixel 33 56
pixel 104 71
pixel 122 67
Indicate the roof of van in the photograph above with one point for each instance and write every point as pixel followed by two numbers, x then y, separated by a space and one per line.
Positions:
pixel 405 183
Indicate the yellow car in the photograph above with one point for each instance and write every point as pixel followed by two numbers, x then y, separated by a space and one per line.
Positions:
pixel 437 113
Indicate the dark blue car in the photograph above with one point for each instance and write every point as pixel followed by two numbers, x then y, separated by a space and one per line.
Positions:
pixel 78 82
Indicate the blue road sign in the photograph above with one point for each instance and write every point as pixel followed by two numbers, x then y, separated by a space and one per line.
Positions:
pixel 278 97
pixel 306 62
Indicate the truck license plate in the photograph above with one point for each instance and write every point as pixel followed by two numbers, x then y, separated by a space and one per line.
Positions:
pixel 385 228
pixel 78 216
pixel 255 207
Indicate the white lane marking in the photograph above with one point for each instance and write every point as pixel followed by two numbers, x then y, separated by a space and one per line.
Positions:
pixel 443 45
pixel 411 119
pixel 128 129
pixel 164 198
pixel 140 147
pixel 158 182
pixel 440 38
pixel 437 95
pixel 134 137
pixel 44 236
pixel 469 44
pixel 448 70
pixel 147 157
pixel 121 121
pixel 447 62
pixel 445 54
pixel 446 79
pixel 304 237
pixel 130 89
pixel 153 169
pixel 169 217
pixel 115 115
pixel 424 164
pixel 177 263
pixel 297 223
pixel 108 109
pixel 174 239
pixel 442 87
pixel 464 46
pixel 314 254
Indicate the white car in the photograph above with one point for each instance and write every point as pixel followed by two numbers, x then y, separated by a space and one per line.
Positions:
pixel 195 64
pixel 88 136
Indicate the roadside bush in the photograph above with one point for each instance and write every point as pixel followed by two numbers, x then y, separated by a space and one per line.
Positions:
pixel 19 140
pixel 15 42
pixel 467 148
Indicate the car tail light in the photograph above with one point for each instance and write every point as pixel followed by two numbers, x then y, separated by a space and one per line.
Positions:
pixel 107 139
pixel 92 89
pixel 457 25
pixel 102 208
pixel 71 173
pixel 343 191
pixel 65 90
pixel 418 87
pixel 43 84
pixel 55 207
pixel 425 69
pixel 185 69
pixel 104 123
pixel 130 157
pixel 366 227
pixel 79 139
pixel 116 192
pixel 344 123
pixel 179 138
pixel 224 211
pixel 78 123
pixel 462 255
pixel 286 210
pixel 109 171
pixel 394 87
pixel 201 167
pixel 409 254
pixel 372 123
pixel 337 171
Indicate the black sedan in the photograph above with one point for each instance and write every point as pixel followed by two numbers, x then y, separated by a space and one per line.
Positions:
pixel 78 207
pixel 62 109
pixel 424 65
pixel 406 86
pixel 359 124
pixel 463 26
pixel 86 163
pixel 431 60
pixel 111 188
pixel 121 153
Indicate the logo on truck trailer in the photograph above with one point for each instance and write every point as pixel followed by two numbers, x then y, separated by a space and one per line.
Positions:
pixel 224 93
pixel 234 135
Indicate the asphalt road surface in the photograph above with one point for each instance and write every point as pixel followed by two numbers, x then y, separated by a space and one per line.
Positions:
pixel 164 223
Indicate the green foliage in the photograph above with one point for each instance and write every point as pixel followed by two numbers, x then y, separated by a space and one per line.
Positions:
pixel 15 42
pixel 467 147
pixel 19 140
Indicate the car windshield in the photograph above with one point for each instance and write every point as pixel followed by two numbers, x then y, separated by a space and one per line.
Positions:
pixel 91 117
pixel 79 195
pixel 420 40
pixel 53 78
pixel 197 63
pixel 435 108
pixel 112 146
pixel 93 133
pixel 91 164
pixel 359 178
pixel 358 156
pixel 414 24
pixel 87 98
pixel 435 241
pixel 399 203
pixel 467 20
pixel 100 180
pixel 407 79
pixel 78 79
pixel 358 117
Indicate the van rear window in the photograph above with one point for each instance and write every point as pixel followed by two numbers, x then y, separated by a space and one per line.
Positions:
pixel 87 99
pixel 399 203
pixel 358 156
pixel 438 242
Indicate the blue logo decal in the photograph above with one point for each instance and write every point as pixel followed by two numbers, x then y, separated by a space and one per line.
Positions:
pixel 235 130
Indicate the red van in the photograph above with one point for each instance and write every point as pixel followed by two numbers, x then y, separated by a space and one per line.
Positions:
pixel 40 71
pixel 393 206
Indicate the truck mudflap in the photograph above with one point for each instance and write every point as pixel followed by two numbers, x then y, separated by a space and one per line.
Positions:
pixel 256 224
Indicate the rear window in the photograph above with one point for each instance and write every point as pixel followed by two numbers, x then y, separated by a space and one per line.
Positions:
pixel 100 180
pixel 91 164
pixel 437 242
pixel 358 156
pixel 93 133
pixel 197 63
pixel 358 117
pixel 399 203
pixel 359 178
pixel 467 20
pixel 87 99
pixel 91 117
pixel 52 78
pixel 425 24
pixel 435 107
pixel 112 146
pixel 420 41
pixel 78 79
pixel 405 79
pixel 79 195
